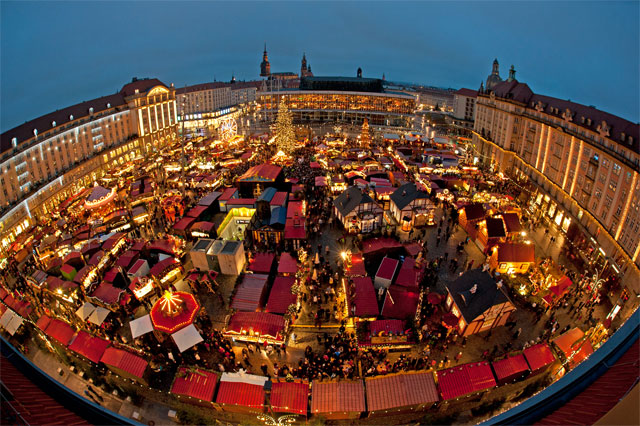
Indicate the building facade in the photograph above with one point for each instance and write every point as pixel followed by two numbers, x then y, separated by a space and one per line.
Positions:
pixel 46 159
pixel 204 100
pixel 583 161
pixel 464 107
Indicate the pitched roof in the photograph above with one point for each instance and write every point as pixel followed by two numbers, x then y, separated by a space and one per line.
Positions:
pixel 290 397
pixel 350 199
pixel 466 92
pixel 267 194
pixel 262 263
pixel 60 331
pixel 89 346
pixel 125 361
pixel 281 297
pixel 405 194
pixel 464 379
pixel 538 356
pixel 400 390
pixel 287 264
pixel 61 117
pixel 400 303
pixel 387 268
pixel 249 293
pixel 143 85
pixel 261 322
pixel 409 274
pixel 364 297
pixel 495 228
pixel 261 173
pixel 511 222
pixel 514 90
pixel 339 396
pixel 239 393
pixel 474 211
pixel 200 385
pixel 510 368
pixel 486 295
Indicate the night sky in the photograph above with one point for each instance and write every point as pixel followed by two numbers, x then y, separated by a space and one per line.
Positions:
pixel 55 54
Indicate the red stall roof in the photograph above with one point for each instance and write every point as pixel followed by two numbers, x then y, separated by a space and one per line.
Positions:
pixel 127 258
pixel 184 223
pixel 571 342
pixel 290 397
pixel 400 390
pixel 357 266
pixel 262 263
pixel 238 393
pixel 332 397
pixel 387 268
pixel 294 229
pixel 413 249
pixel 196 211
pixel 510 368
pixel 107 293
pixel 161 266
pixel 365 297
pixel 60 331
pixel 263 322
pixel 295 208
pixel 287 264
pixel 279 199
pixel 200 385
pixel 464 379
pixel 89 346
pixel 400 303
pixel 538 356
pixel 164 246
pixel 249 293
pixel 112 241
pixel 209 199
pixel 227 194
pixel 43 322
pixel 281 297
pixel 409 274
pixel 202 226
pixel 125 361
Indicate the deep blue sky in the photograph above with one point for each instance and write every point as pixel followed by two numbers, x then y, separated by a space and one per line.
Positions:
pixel 54 54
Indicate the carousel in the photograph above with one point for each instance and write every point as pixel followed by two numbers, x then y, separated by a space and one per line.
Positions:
pixel 174 311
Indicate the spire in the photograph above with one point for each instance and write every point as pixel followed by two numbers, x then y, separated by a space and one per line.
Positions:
pixel 512 74
pixel 359 73
pixel 383 76
pixel 481 87
pixel 265 47
pixel 496 67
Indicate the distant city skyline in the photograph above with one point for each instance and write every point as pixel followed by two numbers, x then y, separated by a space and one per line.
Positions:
pixel 56 54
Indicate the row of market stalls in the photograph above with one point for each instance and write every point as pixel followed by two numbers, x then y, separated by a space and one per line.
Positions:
pixel 352 399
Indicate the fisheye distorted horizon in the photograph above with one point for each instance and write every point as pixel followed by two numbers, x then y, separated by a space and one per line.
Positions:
pixel 55 54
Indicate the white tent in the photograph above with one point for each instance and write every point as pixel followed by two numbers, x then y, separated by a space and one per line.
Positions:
pixel 243 377
pixel 85 310
pixel 187 337
pixel 99 315
pixel 11 321
pixel 141 326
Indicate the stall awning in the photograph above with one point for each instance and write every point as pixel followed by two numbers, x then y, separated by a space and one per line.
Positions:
pixel 240 393
pixel 357 266
pixel 184 223
pixel 141 326
pixel 378 244
pixel 107 293
pixel 249 294
pixel 196 212
pixel 186 338
pixel 400 303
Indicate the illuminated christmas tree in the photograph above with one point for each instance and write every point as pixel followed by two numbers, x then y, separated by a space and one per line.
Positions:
pixel 365 138
pixel 285 136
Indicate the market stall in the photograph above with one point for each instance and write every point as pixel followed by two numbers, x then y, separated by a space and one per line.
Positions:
pixel 281 296
pixel 361 301
pixel 287 265
pixel 241 393
pixel 510 369
pixel 59 331
pixel 187 337
pixel 166 271
pixel 290 397
pixel 262 263
pixel 126 364
pixel 338 399
pixel 539 357
pixel 411 391
pixel 250 295
pixel 195 386
pixel 256 327
pixel 90 347
pixel 465 379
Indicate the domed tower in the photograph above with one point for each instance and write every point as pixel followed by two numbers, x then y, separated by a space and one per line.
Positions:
pixel 359 73
pixel 512 74
pixel 494 77
pixel 265 67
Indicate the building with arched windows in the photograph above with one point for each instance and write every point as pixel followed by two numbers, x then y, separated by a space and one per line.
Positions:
pixel 50 157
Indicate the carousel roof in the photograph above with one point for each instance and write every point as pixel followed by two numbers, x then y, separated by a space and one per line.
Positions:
pixel 98 196
pixel 187 309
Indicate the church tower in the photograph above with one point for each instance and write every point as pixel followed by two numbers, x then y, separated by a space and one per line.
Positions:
pixel 265 67
pixel 303 67
pixel 494 77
